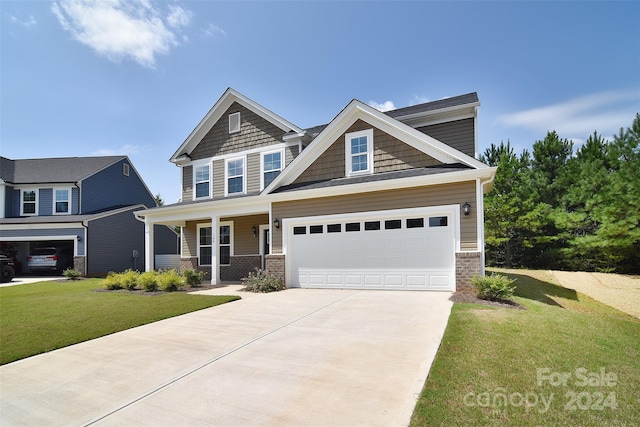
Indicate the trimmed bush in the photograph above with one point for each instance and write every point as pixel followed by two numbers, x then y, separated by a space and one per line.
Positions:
pixel 149 281
pixel 170 281
pixel 192 277
pixel 494 287
pixel 72 274
pixel 113 281
pixel 262 281
pixel 130 279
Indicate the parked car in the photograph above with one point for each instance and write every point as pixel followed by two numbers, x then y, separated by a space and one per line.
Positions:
pixel 49 259
pixel 6 269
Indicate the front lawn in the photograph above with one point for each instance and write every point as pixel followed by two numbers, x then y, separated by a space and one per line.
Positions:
pixel 41 317
pixel 565 360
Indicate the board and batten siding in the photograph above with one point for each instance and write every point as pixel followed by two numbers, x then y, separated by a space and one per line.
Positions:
pixel 459 134
pixel 437 195
pixel 255 132
pixel 389 154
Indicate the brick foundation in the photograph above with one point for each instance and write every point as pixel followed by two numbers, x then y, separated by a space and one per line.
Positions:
pixel 240 266
pixel 192 263
pixel 467 265
pixel 274 264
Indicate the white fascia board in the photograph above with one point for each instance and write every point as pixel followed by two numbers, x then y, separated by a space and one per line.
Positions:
pixel 392 184
pixel 219 108
pixel 42 226
pixel 358 110
pixel 220 208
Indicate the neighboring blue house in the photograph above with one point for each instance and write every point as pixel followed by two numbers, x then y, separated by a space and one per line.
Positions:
pixel 82 204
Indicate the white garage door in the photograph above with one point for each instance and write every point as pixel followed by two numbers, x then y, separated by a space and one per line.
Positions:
pixel 407 249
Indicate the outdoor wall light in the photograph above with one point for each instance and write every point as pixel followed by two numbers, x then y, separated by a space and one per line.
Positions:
pixel 466 208
pixel 255 231
pixel 276 223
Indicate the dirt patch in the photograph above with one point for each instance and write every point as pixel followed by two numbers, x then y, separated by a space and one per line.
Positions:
pixel 619 291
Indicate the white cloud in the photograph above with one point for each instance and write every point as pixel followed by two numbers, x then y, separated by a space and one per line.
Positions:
pixel 127 150
pixel 120 29
pixel 29 22
pixel 213 31
pixel 385 106
pixel 577 118
pixel 178 17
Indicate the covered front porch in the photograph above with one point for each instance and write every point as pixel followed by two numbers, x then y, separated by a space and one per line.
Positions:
pixel 226 245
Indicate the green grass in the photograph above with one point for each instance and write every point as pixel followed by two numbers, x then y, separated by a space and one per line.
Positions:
pixel 44 316
pixel 489 352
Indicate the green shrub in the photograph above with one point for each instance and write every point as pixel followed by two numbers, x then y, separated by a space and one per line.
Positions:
pixel 149 281
pixel 192 277
pixel 130 279
pixel 262 281
pixel 170 281
pixel 72 274
pixel 494 287
pixel 113 281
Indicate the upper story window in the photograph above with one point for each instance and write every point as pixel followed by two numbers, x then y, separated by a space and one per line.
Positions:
pixel 202 181
pixel 271 166
pixel 125 169
pixel 235 181
pixel 234 122
pixel 29 202
pixel 62 201
pixel 359 152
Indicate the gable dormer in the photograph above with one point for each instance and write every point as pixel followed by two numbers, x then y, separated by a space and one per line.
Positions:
pixel 237 149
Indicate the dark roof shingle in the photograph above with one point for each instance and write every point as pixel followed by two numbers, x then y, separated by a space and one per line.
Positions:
pixel 53 170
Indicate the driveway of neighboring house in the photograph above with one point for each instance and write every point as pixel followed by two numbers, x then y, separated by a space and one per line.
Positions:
pixel 25 280
pixel 297 357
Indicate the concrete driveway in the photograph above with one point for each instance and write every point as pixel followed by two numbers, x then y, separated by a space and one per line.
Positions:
pixel 291 358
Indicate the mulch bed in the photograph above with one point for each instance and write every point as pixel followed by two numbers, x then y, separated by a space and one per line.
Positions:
pixel 184 289
pixel 469 296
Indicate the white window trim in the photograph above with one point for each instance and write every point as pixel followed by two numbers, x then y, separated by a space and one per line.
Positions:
pixel 37 192
pixel 231 131
pixel 230 225
pixel 262 171
pixel 196 166
pixel 213 242
pixel 244 175
pixel 55 200
pixel 347 151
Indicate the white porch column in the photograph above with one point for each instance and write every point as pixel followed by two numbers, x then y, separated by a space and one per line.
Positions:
pixel 215 250
pixel 149 250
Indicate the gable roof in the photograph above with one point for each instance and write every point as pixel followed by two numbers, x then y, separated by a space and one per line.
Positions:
pixel 470 99
pixel 53 170
pixel 215 113
pixel 359 110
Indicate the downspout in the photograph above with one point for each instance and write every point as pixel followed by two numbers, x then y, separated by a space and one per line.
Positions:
pixel 483 191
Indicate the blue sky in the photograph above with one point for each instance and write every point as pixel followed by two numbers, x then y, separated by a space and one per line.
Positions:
pixel 81 78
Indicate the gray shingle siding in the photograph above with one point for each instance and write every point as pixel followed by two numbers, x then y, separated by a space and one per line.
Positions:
pixel 110 187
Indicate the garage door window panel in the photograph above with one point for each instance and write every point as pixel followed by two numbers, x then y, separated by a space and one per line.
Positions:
pixel 352 226
pixel 415 223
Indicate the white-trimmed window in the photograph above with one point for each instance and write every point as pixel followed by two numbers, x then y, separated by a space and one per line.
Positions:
pixel 359 152
pixel 205 244
pixel 271 166
pixel 201 181
pixel 61 201
pixel 235 181
pixel 225 242
pixel 29 202
pixel 234 122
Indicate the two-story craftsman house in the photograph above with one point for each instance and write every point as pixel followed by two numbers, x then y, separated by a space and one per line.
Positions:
pixel 83 205
pixel 371 200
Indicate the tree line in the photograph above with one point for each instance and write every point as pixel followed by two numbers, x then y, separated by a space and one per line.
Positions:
pixel 556 208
